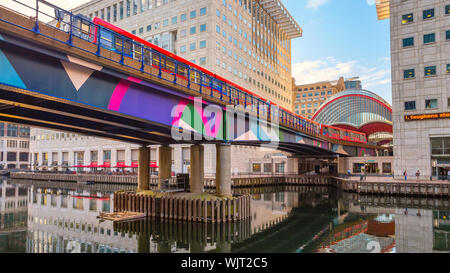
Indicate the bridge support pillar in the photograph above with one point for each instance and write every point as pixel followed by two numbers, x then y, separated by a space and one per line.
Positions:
pixel 165 164
pixel 197 174
pixel 144 169
pixel 223 170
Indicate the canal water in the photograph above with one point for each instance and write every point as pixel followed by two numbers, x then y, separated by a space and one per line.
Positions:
pixel 52 217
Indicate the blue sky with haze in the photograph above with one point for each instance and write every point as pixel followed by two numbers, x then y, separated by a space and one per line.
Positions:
pixel 341 37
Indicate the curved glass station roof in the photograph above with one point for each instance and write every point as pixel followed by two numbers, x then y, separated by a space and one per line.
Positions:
pixel 355 107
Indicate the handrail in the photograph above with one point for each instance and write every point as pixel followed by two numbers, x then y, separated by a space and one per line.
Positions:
pixel 140 50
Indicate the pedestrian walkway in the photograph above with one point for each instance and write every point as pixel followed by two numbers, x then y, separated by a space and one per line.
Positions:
pixel 378 179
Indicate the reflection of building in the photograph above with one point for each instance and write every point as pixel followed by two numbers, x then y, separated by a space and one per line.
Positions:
pixel 271 208
pixel 413 231
pixel 416 230
pixel 62 219
pixel 441 232
pixel 420 33
pixel 13 217
pixel 14 146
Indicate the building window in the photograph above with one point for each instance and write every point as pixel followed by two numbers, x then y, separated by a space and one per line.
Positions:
pixel 12 130
pixel 407 18
pixel 202 44
pixel 430 71
pixel 193 30
pixel 202 61
pixel 23 157
pixel 107 156
pixel 431 104
pixel 11 156
pixel 408 42
pixel 447 35
pixel 448 102
pixel 410 105
pixel 174 20
pixel 183 49
pixel 203 28
pixel 387 168
pixel 429 38
pixel 428 14
pixel 440 146
pixel 193 14
pixel 141 30
pixel 183 17
pixel 447 9
pixel 149 27
pixel 202 11
pixel 192 46
pixel 448 68
pixel 408 73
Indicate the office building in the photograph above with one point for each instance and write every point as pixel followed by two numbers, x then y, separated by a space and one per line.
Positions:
pixel 307 98
pixel 420 59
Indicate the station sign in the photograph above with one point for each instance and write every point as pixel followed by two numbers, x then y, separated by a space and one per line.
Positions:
pixel 427 116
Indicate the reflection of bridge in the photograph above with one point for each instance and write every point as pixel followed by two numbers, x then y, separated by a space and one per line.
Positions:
pixel 301 225
pixel 54 79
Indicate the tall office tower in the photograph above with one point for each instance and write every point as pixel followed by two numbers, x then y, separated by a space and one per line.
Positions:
pixel 247 42
pixel 420 57
pixel 307 98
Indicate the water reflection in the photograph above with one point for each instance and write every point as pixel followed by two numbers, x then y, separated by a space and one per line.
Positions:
pixel 54 217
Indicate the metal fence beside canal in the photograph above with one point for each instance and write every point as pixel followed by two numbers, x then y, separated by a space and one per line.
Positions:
pixel 409 188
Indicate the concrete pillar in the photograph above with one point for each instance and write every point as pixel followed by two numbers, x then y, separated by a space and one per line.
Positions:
pixel 223 170
pixel 144 169
pixel 196 178
pixel 165 164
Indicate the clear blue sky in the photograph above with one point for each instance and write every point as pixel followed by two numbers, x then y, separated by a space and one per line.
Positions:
pixel 341 37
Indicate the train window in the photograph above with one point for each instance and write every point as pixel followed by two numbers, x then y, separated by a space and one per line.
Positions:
pixel 170 64
pixel 182 70
pixel 106 38
pixel 118 42
pixel 147 56
pixel 127 47
pixel 137 51
pixel 156 56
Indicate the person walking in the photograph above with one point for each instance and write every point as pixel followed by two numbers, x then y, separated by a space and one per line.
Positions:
pixel 448 175
pixel 418 174
pixel 405 174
